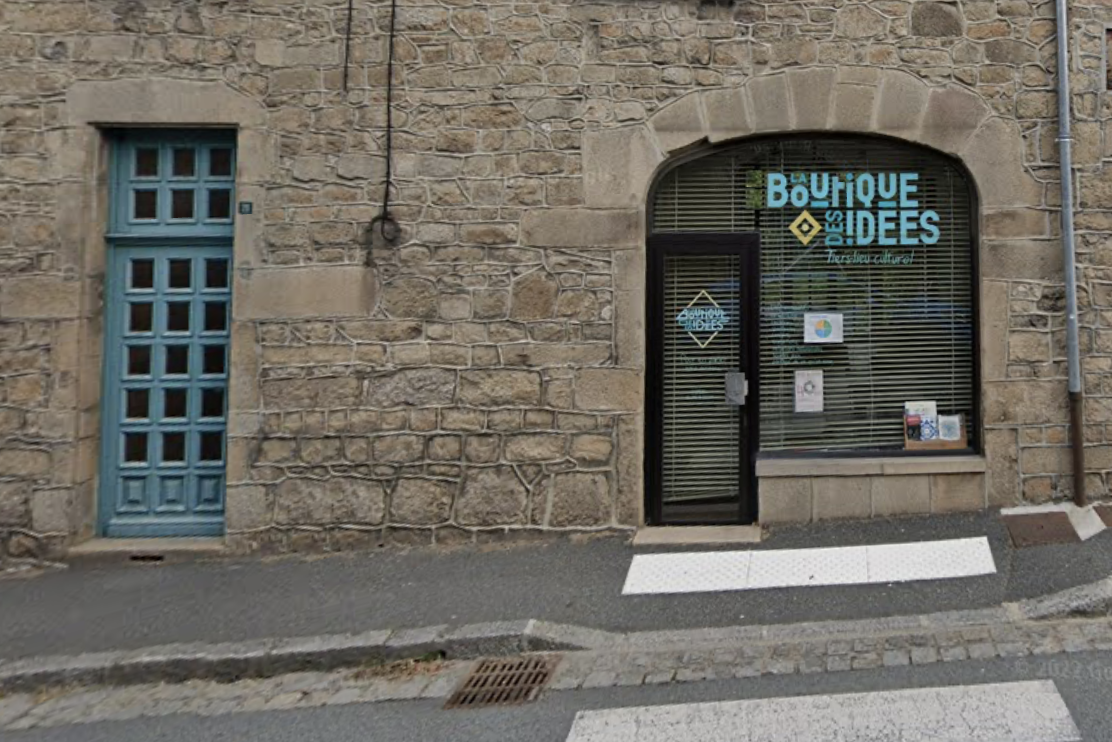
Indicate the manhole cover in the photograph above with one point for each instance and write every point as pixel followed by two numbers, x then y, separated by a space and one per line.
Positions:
pixel 503 682
pixel 1039 529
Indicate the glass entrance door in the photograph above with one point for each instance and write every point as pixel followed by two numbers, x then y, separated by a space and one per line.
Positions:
pixel 702 380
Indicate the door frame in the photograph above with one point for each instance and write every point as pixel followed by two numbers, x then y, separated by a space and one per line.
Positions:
pixel 747 246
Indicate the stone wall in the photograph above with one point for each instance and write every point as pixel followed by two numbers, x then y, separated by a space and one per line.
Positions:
pixel 485 371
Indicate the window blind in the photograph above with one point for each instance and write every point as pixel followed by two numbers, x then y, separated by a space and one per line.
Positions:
pixel 908 328
pixel 702 449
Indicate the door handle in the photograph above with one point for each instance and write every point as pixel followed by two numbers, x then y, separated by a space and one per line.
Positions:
pixel 737 388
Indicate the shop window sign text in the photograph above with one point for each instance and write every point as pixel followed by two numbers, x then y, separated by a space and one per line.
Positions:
pixel 860 209
pixel 703 319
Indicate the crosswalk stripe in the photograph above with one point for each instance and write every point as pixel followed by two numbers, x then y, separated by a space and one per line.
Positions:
pixel 1030 711
pixel 692 572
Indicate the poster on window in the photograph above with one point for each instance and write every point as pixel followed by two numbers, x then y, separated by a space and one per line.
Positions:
pixel 808 390
pixel 921 420
pixel 822 328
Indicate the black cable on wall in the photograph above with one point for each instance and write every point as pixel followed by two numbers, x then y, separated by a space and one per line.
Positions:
pixel 389 228
pixel 347 43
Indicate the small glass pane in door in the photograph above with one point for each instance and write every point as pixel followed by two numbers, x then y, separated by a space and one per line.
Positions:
pixel 180 274
pixel 212 402
pixel 177 316
pixel 142 274
pixel 146 162
pixel 177 360
pixel 216 273
pixel 175 403
pixel 213 359
pixel 138 404
pixel 185 162
pixel 135 448
pixel 211 445
pixel 181 203
pixel 145 205
pixel 173 447
pixel 139 360
pixel 220 162
pixel 219 203
pixel 140 316
pixel 216 316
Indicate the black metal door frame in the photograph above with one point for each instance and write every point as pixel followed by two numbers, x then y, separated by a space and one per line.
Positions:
pixel 747 247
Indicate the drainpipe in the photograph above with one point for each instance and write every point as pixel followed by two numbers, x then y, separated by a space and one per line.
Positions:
pixel 1073 351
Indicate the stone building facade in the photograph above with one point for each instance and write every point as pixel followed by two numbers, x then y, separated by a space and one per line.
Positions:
pixel 484 373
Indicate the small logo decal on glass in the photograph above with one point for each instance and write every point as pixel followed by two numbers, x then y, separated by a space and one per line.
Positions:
pixel 703 316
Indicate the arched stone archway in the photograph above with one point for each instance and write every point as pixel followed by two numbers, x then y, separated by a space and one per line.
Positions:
pixel 620 164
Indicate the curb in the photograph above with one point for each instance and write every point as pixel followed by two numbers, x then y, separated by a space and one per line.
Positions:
pixel 1094 599
pixel 175 663
pixel 726 636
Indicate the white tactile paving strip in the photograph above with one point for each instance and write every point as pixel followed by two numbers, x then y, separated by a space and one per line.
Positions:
pixel 715 571
pixel 697 572
pixel 833 566
pixel 1030 711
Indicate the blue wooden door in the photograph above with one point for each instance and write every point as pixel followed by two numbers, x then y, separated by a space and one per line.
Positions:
pixel 168 315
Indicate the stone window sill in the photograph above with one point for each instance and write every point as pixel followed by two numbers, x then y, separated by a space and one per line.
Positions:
pixel 856 467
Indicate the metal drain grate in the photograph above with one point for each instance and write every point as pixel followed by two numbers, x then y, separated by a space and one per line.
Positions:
pixel 503 682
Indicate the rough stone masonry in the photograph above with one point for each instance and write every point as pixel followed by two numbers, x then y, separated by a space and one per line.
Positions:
pixel 484 373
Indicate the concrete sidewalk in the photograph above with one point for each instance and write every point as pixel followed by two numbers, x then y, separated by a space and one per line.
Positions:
pixel 98 606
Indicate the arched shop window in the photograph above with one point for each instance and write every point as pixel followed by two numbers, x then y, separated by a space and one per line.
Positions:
pixel 869 239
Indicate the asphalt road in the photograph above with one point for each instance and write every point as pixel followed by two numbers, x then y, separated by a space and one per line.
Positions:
pixel 99 606
pixel 1084 680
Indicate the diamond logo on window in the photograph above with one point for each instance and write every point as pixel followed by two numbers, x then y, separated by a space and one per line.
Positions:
pixel 805 228
pixel 703 319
